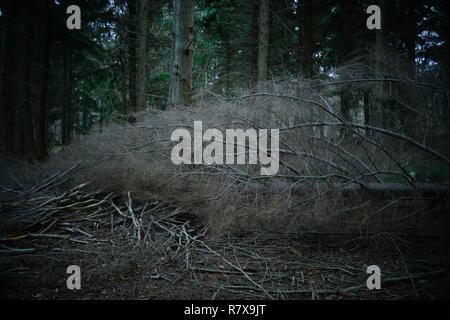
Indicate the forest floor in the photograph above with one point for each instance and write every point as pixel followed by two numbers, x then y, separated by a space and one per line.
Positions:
pixel 154 250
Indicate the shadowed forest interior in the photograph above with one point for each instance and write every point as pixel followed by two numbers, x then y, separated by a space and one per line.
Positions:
pixel 92 91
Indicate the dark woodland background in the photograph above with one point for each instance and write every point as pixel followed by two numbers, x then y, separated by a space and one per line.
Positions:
pixel 56 83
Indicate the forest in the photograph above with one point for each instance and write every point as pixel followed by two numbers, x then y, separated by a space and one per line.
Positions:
pixel 225 149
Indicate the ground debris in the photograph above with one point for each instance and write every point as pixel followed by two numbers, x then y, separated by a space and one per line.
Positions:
pixel 131 250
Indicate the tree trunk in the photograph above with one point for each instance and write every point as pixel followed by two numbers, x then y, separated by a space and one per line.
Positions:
pixel 182 50
pixel 8 103
pixel 366 102
pixel 263 39
pixel 307 41
pixel 227 67
pixel 348 30
pixel 141 56
pixel 66 111
pixel 379 40
pixel 347 34
pixel 409 37
pixel 253 45
pixel 132 36
pixel 25 124
pixel 346 104
pixel 378 187
pixel 43 63
pixel 379 111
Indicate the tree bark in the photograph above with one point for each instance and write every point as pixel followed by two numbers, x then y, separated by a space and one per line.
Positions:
pixel 263 39
pixel 378 113
pixel 347 31
pixel 367 113
pixel 379 40
pixel 227 67
pixel 25 146
pixel 141 56
pixel 306 39
pixel 66 111
pixel 42 148
pixel 409 37
pixel 8 103
pixel 132 36
pixel 182 50
pixel 253 45
pixel 347 37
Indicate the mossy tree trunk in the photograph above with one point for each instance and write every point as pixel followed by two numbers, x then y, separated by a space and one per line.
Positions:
pixel 182 52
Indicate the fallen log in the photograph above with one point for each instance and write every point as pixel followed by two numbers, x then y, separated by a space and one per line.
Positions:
pixel 373 187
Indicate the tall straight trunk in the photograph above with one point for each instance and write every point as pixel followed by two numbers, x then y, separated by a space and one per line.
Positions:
pixel 85 124
pixel 446 111
pixel 25 123
pixel 142 17
pixel 8 103
pixel 409 37
pixel 379 111
pixel 227 67
pixel 347 32
pixel 43 63
pixel 306 39
pixel 182 50
pixel 366 108
pixel 379 40
pixel 67 105
pixel 132 36
pixel 263 39
pixel 253 50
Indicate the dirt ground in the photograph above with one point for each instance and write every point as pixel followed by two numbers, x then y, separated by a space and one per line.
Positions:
pixel 154 251
pixel 270 269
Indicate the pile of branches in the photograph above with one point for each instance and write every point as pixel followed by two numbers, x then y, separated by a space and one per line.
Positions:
pixel 351 155
pixel 79 215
